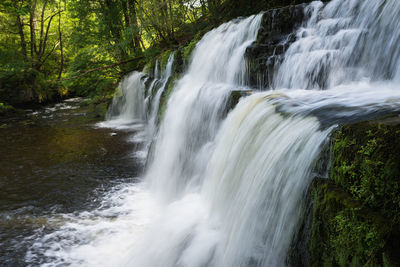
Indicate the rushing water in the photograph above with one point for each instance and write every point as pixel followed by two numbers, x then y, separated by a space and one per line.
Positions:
pixel 155 103
pixel 128 104
pixel 344 41
pixel 135 105
pixel 225 189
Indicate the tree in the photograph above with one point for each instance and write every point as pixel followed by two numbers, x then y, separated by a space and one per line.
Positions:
pixel 51 47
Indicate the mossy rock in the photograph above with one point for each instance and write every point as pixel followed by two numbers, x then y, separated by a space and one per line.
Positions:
pixel 367 165
pixel 166 94
pixel 6 109
pixel 188 49
pixel 164 58
pixel 356 213
pixel 347 233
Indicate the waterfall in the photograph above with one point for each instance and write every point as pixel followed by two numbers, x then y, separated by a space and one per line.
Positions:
pixel 127 106
pixel 343 41
pixel 243 213
pixel 147 100
pixel 196 107
pixel 256 199
pixel 155 105
pixel 224 188
pixel 135 105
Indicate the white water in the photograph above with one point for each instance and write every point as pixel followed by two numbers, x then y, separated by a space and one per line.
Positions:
pixel 344 41
pixel 196 107
pixel 155 104
pixel 227 191
pixel 127 107
pixel 135 106
pixel 156 76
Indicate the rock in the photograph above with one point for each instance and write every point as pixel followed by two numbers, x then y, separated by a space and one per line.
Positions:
pixel 276 34
pixel 235 97
pixel 347 233
pixel 356 212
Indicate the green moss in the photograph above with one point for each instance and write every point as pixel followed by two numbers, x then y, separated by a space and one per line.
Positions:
pixel 188 50
pixel 366 165
pixel 164 58
pixel 346 233
pixel 4 108
pixel 356 220
pixel 165 96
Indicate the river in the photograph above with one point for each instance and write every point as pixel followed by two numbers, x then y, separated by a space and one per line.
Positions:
pixel 55 161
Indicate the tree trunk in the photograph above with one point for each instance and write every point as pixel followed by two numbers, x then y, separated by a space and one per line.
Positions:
pixel 40 52
pixel 61 43
pixel 32 32
pixel 108 7
pixel 22 36
pixel 134 23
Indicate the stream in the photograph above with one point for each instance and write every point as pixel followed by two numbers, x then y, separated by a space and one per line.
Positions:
pixel 55 161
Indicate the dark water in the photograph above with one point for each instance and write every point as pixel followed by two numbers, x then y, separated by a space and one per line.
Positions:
pixel 55 161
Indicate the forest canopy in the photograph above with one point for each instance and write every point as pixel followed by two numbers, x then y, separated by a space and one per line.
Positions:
pixel 53 48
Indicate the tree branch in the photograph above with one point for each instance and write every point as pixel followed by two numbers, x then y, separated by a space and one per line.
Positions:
pixel 41 28
pixel 101 68
pixel 46 57
pixel 48 28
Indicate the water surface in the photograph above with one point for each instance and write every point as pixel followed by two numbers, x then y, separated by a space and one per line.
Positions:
pixel 54 161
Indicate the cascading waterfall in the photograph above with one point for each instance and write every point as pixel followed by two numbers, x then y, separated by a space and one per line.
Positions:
pixel 135 106
pixel 226 190
pixel 156 74
pixel 128 102
pixel 152 105
pixel 243 213
pixel 256 199
pixel 344 41
pixel 196 107
pixel 155 104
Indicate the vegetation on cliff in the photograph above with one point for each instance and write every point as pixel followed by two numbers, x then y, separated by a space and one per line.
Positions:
pixel 356 220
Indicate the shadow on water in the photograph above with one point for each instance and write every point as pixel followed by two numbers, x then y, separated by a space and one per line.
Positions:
pixel 55 161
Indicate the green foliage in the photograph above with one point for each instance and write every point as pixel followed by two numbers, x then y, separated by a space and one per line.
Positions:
pixel 352 233
pixel 95 83
pixel 165 96
pixel 4 108
pixel 25 85
pixel 356 218
pixel 188 50
pixel 52 48
pixel 29 58
pixel 345 233
pixel 365 165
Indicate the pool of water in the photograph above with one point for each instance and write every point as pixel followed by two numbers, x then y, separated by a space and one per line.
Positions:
pixel 53 161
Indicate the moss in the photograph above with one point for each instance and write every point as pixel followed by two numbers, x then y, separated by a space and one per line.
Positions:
pixel 366 165
pixel 356 214
pixel 164 58
pixel 345 232
pixel 165 96
pixel 188 50
pixel 4 108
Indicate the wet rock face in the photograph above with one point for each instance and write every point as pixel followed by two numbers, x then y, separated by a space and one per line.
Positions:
pixel 276 34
